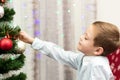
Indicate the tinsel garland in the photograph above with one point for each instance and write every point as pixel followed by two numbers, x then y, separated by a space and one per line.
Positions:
pixel 8 56
pixel 11 64
pixel 21 76
pixel 9 74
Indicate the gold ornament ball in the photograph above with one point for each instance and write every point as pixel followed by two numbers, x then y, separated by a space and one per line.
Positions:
pixel 21 46
pixel 1 11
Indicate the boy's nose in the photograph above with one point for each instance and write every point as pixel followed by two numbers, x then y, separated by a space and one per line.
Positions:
pixel 81 37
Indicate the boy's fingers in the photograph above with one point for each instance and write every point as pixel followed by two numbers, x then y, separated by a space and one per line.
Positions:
pixel 16 37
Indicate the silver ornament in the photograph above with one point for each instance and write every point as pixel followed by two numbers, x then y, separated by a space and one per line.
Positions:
pixel 1 11
pixel 21 46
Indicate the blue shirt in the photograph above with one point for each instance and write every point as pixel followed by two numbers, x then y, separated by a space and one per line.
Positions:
pixel 88 67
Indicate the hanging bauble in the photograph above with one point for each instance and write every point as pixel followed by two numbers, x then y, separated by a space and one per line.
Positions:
pixel 2 1
pixel 21 46
pixel 6 44
pixel 1 11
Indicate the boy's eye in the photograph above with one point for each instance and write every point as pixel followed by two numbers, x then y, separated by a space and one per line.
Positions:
pixel 85 38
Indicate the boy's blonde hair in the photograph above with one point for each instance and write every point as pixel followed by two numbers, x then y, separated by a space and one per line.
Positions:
pixel 108 36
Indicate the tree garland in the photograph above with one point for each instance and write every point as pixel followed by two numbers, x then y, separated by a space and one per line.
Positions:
pixel 11 64
pixel 21 76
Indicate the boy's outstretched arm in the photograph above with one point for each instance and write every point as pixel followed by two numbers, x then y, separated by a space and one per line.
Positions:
pixel 52 50
pixel 23 36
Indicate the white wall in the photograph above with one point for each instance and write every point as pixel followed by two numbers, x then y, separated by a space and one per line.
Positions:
pixel 108 10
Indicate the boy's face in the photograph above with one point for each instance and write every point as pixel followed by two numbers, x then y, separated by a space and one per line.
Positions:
pixel 86 42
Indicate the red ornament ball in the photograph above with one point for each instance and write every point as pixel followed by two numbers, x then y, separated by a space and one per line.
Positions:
pixel 6 44
pixel 2 1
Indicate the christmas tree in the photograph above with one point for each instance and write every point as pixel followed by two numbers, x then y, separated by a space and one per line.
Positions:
pixel 11 57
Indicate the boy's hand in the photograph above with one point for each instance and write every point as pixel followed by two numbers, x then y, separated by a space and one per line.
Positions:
pixel 23 36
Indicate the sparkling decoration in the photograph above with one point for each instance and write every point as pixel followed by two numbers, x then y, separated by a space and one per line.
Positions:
pixel 1 11
pixel 57 12
pixel 6 44
pixel 38 55
pixel 74 4
pixel 10 1
pixel 12 58
pixel 37 33
pixel 69 11
pixel 62 35
pixel 37 21
pixel 8 56
pixel 21 46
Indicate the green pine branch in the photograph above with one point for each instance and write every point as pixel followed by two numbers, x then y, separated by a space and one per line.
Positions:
pixel 8 14
pixel 11 64
pixel 7 28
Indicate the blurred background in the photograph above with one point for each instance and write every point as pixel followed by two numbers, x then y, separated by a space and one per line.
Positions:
pixel 61 22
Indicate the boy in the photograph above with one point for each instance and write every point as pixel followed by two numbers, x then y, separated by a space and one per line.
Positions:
pixel 100 39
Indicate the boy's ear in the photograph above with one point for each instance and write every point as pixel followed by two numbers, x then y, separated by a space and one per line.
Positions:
pixel 98 51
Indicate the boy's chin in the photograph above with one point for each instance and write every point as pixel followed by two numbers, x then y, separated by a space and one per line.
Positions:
pixel 78 49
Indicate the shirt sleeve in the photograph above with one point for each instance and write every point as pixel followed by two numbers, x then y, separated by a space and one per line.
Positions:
pixel 54 51
pixel 99 73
